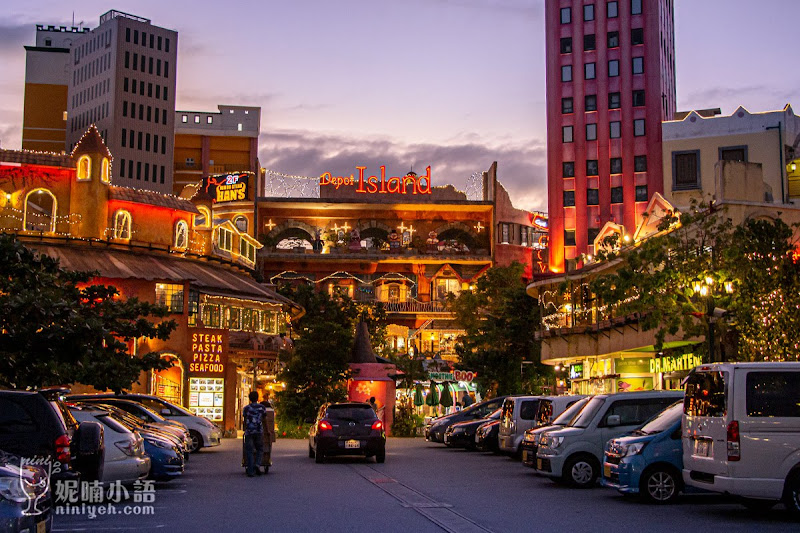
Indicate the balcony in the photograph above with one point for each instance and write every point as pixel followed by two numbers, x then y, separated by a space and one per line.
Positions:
pixel 409 306
pixel 371 254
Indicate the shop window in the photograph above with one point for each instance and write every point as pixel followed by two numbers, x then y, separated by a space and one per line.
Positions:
pixel 211 316
pixel 181 234
pixel 194 307
pixel 247 320
pixel 247 250
pixel 225 239
pixel 445 286
pixel 269 322
pixel 241 223
pixel 170 295
pixel 203 219
pixel 233 318
pixel 105 170
pixel 84 168
pixel 40 211
pixel 122 225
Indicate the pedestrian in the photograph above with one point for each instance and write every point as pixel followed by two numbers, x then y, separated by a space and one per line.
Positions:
pixel 373 404
pixel 253 415
pixel 467 400
pixel 269 432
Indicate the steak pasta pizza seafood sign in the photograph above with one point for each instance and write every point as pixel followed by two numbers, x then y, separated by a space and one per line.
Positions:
pixel 208 353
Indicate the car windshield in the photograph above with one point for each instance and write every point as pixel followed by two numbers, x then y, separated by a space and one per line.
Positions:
pixel 355 413
pixel 572 411
pixel 584 418
pixel 495 415
pixel 663 420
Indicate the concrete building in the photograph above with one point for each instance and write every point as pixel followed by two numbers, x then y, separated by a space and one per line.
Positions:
pixel 122 79
pixel 47 70
pixel 214 143
pixel 610 84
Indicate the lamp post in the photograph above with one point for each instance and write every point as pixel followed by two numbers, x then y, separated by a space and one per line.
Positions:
pixel 705 288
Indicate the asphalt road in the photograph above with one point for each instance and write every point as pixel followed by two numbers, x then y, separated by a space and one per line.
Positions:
pixel 422 487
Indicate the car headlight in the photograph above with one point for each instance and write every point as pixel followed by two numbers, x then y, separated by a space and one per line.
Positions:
pixel 11 489
pixel 626 450
pixel 458 430
pixel 530 437
pixel 161 443
pixel 552 441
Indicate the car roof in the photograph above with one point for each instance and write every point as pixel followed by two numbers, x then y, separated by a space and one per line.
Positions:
pixel 642 393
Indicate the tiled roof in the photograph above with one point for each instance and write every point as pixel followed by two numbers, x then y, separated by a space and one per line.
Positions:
pixel 26 157
pixel 92 143
pixel 153 198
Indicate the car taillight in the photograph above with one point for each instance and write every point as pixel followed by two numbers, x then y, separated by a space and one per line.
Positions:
pixel 377 425
pixel 733 444
pixel 62 449
pixel 324 425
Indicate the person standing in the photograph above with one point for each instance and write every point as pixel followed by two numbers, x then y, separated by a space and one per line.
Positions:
pixel 253 415
pixel 467 400
pixel 269 432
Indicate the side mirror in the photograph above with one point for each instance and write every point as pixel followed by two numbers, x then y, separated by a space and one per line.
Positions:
pixel 613 420
pixel 165 412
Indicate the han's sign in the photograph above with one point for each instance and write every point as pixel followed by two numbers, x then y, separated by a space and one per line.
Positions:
pixel 208 352
pixel 227 187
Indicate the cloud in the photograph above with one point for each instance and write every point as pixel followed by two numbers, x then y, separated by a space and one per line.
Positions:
pixel 13 36
pixel 753 97
pixel 521 165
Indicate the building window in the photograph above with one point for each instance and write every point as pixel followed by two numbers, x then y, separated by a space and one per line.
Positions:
pixel 592 234
pixel 202 220
pixel 122 167
pixel 209 120
pixel 105 170
pixel 225 239
pixel 239 127
pixel 588 12
pixel 591 132
pixel 127 35
pixel 613 39
pixel 124 138
pixel 616 195
pixel 614 101
pixel 566 15
pixel 733 153
pixel 640 163
pixel 589 71
pixel 566 73
pixel 197 119
pixel 685 170
pixel 122 225
pixel 568 169
pixel 181 234
pixel 241 223
pixel 189 161
pixel 445 286
pixel 638 65
pixel 637 36
pixel 84 168
pixel 566 45
pixel 590 102
pixel 211 316
pixel 641 193
pixel 636 7
pixel 40 211
pixel 569 237
pixel 505 233
pixel 638 98
pixel 589 42
pixel 613 68
pixel 616 165
pixel 566 134
pixel 638 127
pixel 591 167
pixel 612 10
pixel 247 250
pixel 592 196
pixel 569 198
pixel 615 129
pixel 566 106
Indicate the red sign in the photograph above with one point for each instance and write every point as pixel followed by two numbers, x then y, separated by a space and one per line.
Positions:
pixel 408 184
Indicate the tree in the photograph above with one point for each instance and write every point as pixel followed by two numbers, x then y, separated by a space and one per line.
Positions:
pixel 56 329
pixel 499 319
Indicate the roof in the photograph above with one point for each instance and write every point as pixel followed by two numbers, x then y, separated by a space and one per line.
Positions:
pixel 28 157
pixel 139 196
pixel 362 347
pixel 91 143
pixel 465 272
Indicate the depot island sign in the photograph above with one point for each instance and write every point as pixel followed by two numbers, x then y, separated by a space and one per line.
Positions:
pixel 408 184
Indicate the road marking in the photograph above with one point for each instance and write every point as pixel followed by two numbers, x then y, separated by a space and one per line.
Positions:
pixel 440 513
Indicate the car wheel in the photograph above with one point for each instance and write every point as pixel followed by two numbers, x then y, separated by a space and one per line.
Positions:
pixel 660 485
pixel 791 494
pixel 758 505
pixel 581 471
pixel 311 453
pixel 196 441
pixel 380 457
pixel 320 456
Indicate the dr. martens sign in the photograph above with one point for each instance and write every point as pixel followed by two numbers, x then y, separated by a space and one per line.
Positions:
pixel 408 184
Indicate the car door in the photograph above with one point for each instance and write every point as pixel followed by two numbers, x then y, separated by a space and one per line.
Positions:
pixel 19 431
pixel 705 408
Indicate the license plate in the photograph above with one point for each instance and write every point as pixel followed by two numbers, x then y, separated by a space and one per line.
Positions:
pixel 352 444
pixel 702 448
pixel 538 464
pixel 41 527
pixel 606 471
pixel 524 456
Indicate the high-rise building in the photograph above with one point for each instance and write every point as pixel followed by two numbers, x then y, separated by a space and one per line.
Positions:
pixel 610 84
pixel 122 79
pixel 46 82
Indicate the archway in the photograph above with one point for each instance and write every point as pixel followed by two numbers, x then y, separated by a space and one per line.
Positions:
pixel 40 211
pixel 168 384
pixel 291 238
pixel 374 237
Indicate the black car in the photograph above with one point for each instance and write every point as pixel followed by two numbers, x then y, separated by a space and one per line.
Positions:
pixel 462 434
pixel 486 437
pixel 435 431
pixel 348 428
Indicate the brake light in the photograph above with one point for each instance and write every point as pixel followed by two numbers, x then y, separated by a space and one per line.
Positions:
pixel 324 425
pixel 62 449
pixel 377 425
pixel 733 443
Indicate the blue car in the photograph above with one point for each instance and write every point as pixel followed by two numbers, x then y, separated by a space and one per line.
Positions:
pixel 166 460
pixel 648 461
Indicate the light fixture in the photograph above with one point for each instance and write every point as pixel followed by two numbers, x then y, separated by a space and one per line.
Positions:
pixel 709 280
pixel 728 287
pixel 704 290
pixel 793 166
pixel 627 238
pixel 696 286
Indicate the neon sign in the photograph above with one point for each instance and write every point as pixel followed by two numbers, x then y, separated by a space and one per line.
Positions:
pixel 410 183
pixel 540 221
pixel 227 187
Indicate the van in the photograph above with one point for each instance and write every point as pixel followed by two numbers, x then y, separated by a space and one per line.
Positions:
pixel 741 432
pixel 574 453
pixel 530 441
pixel 520 413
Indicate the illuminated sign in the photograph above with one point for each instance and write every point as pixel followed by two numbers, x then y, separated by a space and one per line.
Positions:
pixel 540 221
pixel 678 363
pixel 208 353
pixel 576 371
pixel 410 183
pixel 456 375
pixel 227 187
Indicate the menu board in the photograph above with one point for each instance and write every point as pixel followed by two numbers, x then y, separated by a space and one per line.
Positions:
pixel 206 397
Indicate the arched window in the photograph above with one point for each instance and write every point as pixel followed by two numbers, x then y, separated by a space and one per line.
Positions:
pixel 203 220
pixel 105 171
pixel 122 225
pixel 241 223
pixel 40 211
pixel 84 168
pixel 181 234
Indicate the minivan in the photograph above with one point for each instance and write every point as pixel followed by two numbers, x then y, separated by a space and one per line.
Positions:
pixel 574 453
pixel 520 413
pixel 741 432
pixel 530 442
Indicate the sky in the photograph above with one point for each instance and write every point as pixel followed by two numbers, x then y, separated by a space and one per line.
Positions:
pixel 454 84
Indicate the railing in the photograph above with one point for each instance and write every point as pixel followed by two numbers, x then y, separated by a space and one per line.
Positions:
pixel 371 253
pixel 414 306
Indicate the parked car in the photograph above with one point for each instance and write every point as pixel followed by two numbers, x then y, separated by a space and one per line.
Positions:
pixel 521 413
pixel 347 428
pixel 125 458
pixel 741 432
pixel 434 432
pixel 486 436
pixel 202 431
pixel 530 442
pixel 649 460
pixel 26 502
pixel 136 424
pixel 462 434
pixel 574 453
pixel 37 426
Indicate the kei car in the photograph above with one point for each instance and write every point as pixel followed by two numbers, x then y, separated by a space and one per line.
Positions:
pixel 347 428
pixel 462 434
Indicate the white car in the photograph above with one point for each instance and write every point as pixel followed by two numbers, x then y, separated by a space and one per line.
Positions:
pixel 125 460
pixel 741 432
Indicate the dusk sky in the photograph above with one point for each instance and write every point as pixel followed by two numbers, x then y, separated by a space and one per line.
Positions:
pixel 454 84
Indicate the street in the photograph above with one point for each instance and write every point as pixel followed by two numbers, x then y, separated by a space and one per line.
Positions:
pixel 421 487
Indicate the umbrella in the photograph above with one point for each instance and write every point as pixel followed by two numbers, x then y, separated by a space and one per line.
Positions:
pixel 447 396
pixel 419 398
pixel 433 396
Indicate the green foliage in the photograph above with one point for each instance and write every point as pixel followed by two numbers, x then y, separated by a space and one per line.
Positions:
pixel 406 422
pixel 54 333
pixel 499 319
pixel 292 429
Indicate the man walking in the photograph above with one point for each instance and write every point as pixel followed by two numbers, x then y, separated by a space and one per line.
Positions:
pixel 253 415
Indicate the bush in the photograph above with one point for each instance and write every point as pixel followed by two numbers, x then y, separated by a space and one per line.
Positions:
pixel 292 429
pixel 406 422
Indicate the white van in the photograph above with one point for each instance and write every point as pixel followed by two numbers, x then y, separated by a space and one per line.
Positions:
pixel 741 432
pixel 520 413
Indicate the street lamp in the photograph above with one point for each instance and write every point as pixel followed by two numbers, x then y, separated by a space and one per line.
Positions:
pixel 705 288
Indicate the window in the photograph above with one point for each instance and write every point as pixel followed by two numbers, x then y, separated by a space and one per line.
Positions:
pixel 566 105
pixel 569 237
pixel 247 250
pixel 239 127
pixel 197 119
pixel 209 119
pixel 641 193
pixel 166 47
pixel 127 35
pixel 569 198
pixel 591 235
pixel 685 170
pixel 640 163
pixel 202 220
pixel 84 168
pixel 613 39
pixel 635 412
pixel 225 239
pixel 566 15
pixel 636 7
pixel 505 233
pixel 122 225
pixel 773 394
pixel 566 73
pixel 638 98
pixel 15 420
pixel 613 68
pixel 637 36
pixel 445 286
pixel 181 234
pixel 589 42
pixel 616 165
pixel 616 195
pixel 105 170
pixel 592 196
pixel 591 167
pixel 159 42
pixel 170 296
pixel 706 394
pixel 590 102
pixel 591 132
pixel 588 12
pixel 733 153
pixel 615 129
pixel 612 10
pixel 122 167
pixel 614 101
pixel 638 127
pixel 211 316
pixel 589 71
pixel 638 65
pixel 568 169
pixel 125 84
pixel 127 59
pixel 40 211
pixel 124 137
pixel 241 223
pixel 566 134
pixel 566 45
